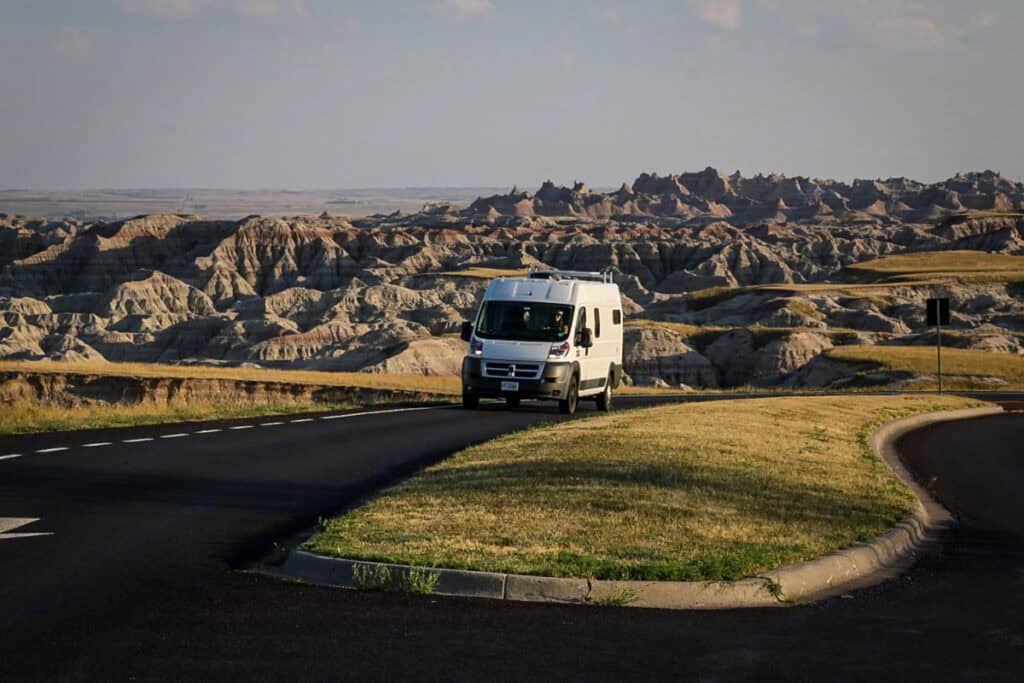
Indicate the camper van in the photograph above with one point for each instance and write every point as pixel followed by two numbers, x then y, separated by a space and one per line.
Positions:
pixel 553 335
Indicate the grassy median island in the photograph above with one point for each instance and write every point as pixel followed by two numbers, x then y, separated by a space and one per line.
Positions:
pixel 699 491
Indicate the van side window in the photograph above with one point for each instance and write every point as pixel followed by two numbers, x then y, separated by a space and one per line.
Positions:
pixel 580 324
pixel 616 317
pixel 597 323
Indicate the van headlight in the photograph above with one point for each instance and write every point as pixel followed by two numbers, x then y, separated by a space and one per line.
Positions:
pixel 476 347
pixel 559 350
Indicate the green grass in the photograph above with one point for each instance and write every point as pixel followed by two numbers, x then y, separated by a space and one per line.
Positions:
pixel 669 493
pixel 382 578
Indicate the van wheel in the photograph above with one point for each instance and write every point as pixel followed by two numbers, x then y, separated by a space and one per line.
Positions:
pixel 470 401
pixel 604 399
pixel 512 402
pixel 572 397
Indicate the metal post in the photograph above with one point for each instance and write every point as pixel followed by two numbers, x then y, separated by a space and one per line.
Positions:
pixel 938 348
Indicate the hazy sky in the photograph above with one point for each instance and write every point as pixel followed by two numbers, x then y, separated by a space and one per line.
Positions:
pixel 318 94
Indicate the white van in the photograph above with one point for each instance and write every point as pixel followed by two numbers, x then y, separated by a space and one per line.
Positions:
pixel 551 335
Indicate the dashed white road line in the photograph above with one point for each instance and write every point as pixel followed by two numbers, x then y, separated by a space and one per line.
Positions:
pixel 179 435
pixel 381 412
pixel 9 524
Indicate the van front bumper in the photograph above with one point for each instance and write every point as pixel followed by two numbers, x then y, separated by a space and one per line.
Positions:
pixel 553 382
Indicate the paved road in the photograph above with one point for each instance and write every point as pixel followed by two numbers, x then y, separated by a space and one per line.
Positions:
pixel 136 581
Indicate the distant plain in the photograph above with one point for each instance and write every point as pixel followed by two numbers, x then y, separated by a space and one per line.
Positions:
pixel 109 204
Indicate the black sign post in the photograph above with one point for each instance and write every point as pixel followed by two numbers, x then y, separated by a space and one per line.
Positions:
pixel 938 315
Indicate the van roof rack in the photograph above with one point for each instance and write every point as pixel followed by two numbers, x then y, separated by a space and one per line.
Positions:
pixel 553 274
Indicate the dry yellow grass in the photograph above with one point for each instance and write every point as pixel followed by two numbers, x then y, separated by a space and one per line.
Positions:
pixel 684 330
pixel 22 418
pixel 705 298
pixel 485 273
pixel 966 266
pixel 905 270
pixel 699 336
pixel 697 491
pixel 855 291
pixel 428 384
pixel 32 417
pixel 961 367
pixel 624 390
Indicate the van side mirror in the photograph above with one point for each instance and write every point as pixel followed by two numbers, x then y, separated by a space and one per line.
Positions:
pixel 467 331
pixel 586 338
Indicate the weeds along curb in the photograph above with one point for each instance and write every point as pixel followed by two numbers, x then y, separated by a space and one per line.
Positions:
pixel 861 565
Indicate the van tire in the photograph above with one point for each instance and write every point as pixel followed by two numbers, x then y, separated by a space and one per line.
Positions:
pixel 470 401
pixel 604 399
pixel 572 397
pixel 512 402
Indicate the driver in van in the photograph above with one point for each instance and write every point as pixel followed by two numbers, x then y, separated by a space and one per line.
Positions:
pixel 559 324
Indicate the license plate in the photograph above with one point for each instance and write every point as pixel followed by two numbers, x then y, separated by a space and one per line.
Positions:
pixel 510 386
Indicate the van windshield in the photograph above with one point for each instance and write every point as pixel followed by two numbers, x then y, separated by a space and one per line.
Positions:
pixel 524 321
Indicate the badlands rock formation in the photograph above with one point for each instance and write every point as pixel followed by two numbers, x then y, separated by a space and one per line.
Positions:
pixel 713 194
pixel 752 272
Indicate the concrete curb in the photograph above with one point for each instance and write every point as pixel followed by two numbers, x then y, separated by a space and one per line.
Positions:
pixel 861 565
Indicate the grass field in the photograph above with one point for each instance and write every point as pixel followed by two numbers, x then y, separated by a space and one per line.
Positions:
pixel 669 493
pixel 31 417
pixel 873 278
pixel 697 336
pixel 429 384
pixel 441 385
pixel 24 418
pixel 958 365
pixel 935 266
pixel 484 273
pixel 700 336
pixel 712 296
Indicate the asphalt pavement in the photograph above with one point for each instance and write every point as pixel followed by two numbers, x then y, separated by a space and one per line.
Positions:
pixel 148 531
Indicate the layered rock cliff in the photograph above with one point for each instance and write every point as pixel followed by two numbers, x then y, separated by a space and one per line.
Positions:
pixel 386 293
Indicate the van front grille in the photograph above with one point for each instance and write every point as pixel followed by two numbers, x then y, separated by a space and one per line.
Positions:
pixel 509 370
